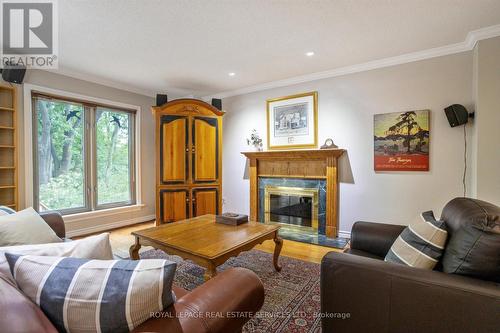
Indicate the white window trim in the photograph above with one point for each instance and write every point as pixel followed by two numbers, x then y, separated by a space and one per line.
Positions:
pixel 28 150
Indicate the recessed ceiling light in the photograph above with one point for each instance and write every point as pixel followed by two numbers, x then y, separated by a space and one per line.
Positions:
pixel 231 74
pixel 310 53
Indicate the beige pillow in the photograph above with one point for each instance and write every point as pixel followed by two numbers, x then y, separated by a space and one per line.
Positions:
pixel 25 227
pixel 93 247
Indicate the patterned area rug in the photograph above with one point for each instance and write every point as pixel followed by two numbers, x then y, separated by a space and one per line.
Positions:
pixel 292 295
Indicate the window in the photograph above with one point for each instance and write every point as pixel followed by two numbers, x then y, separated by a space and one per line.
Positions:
pixel 84 157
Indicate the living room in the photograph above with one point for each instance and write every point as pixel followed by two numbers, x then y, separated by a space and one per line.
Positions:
pixel 255 166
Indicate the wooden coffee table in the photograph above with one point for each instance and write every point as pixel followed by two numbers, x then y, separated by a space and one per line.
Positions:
pixel 205 242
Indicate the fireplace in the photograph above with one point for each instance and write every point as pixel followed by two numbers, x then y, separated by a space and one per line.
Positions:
pixel 298 205
pixel 294 206
pixel 299 190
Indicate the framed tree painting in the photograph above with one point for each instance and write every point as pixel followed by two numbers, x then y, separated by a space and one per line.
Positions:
pixel 401 141
pixel 292 121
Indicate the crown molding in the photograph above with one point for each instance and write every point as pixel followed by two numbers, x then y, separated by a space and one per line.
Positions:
pixel 101 81
pixel 467 45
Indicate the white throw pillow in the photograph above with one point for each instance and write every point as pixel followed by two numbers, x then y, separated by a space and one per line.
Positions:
pixel 83 295
pixel 93 247
pixel 25 227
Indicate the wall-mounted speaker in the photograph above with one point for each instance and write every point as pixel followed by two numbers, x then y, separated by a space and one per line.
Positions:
pixel 217 103
pixel 161 99
pixel 457 115
pixel 13 73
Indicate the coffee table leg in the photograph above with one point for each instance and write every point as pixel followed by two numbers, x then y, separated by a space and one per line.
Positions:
pixel 134 249
pixel 210 271
pixel 278 244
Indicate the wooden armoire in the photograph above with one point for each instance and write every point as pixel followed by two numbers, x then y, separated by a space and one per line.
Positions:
pixel 188 160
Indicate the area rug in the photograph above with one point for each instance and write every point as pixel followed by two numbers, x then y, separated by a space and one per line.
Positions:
pixel 292 301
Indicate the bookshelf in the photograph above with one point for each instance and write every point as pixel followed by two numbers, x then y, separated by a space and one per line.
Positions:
pixel 8 147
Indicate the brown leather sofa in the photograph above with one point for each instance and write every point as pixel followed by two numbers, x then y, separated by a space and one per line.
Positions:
pixel 234 290
pixel 362 293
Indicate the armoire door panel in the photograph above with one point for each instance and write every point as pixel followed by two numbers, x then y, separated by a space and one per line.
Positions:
pixel 174 149
pixel 205 149
pixel 205 201
pixel 174 205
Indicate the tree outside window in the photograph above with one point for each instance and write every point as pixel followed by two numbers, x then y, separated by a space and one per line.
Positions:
pixel 84 155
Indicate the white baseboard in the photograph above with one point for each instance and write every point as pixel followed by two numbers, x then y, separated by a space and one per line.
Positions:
pixel 108 226
pixel 119 224
pixel 344 234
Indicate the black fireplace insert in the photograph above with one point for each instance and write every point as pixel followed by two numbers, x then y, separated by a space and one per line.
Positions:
pixel 291 209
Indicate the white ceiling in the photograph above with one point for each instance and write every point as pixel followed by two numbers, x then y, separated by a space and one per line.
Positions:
pixel 188 47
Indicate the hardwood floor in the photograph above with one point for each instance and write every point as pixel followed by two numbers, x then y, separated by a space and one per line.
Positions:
pixel 121 240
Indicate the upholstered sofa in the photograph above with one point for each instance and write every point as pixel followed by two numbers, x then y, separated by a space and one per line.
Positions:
pixel 362 293
pixel 233 290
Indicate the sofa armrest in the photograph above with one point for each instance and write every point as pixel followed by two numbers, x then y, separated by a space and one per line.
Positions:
pixel 55 221
pixel 386 297
pixel 222 304
pixel 375 238
pixel 18 314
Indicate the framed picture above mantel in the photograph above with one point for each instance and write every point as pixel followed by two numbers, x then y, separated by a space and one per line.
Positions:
pixel 292 121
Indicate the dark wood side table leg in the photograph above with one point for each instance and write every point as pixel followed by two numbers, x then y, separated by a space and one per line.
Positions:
pixel 277 249
pixel 210 271
pixel 134 249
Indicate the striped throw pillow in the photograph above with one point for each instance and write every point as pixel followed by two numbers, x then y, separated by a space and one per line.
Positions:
pixel 4 210
pixel 421 244
pixel 82 295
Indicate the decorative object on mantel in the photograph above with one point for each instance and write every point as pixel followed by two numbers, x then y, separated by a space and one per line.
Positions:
pixel 329 144
pixel 231 219
pixel 297 187
pixel 401 141
pixel 292 121
pixel 255 140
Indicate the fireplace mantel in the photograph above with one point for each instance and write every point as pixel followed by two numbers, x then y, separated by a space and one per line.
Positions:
pixel 302 164
pixel 295 154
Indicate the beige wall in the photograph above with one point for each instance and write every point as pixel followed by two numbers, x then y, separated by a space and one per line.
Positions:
pixel 486 141
pixel 72 85
pixel 346 108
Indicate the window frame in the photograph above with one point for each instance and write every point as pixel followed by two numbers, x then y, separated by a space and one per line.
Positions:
pixel 89 155
pixel 131 159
